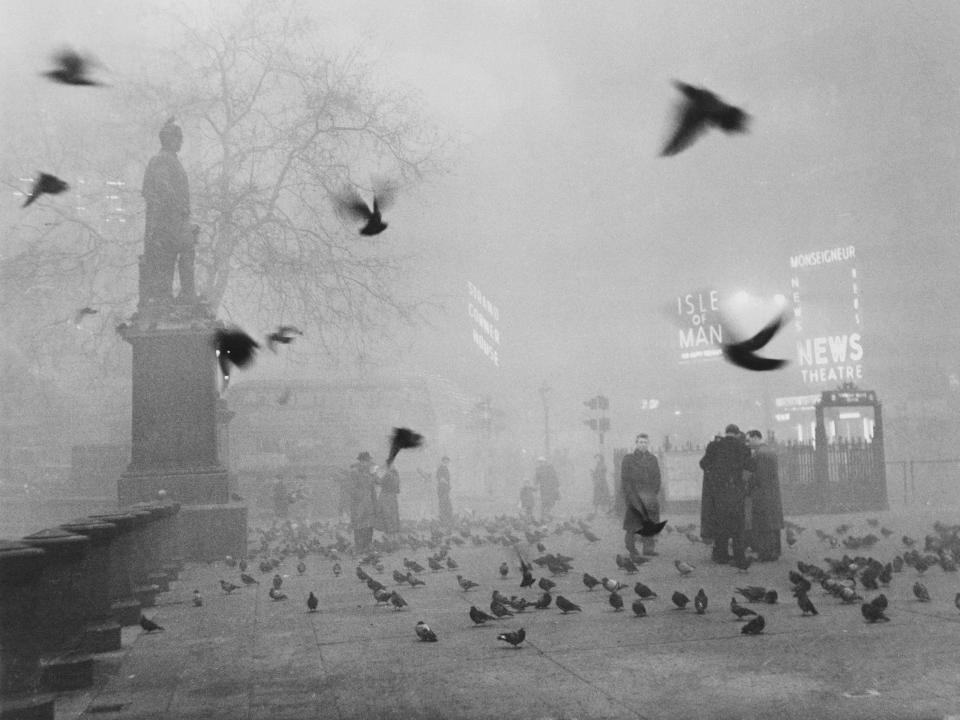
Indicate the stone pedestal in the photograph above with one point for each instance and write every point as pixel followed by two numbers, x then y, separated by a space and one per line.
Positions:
pixel 175 409
pixel 65 666
pixel 21 567
pixel 177 412
pixel 100 632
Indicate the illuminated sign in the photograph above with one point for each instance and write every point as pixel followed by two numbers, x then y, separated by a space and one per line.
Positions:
pixel 825 292
pixel 484 316
pixel 699 331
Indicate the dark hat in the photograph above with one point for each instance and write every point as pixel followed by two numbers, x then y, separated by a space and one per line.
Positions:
pixel 444 459
pixel 364 456
pixel 731 429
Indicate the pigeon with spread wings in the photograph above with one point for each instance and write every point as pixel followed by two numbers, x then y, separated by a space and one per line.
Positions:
pixel 71 68
pixel 743 353
pixel 350 203
pixel 700 110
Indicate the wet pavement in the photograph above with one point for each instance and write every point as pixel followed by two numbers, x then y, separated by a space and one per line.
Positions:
pixel 243 655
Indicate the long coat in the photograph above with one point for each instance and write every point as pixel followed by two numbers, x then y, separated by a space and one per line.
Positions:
pixel 443 495
pixel 388 507
pixel 363 501
pixel 767 514
pixel 721 501
pixel 640 480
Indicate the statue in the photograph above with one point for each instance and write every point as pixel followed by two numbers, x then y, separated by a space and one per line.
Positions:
pixel 170 240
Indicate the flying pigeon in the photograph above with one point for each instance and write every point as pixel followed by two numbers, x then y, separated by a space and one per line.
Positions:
pixel 234 347
pixel 402 438
pixel 742 353
pixel 351 204
pixel 71 69
pixel 45 184
pixel 283 335
pixel 648 528
pixel 700 110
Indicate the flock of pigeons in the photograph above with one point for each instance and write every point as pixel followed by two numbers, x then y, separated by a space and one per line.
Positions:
pixel 848 579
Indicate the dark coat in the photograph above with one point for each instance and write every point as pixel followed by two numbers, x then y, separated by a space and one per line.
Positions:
pixel 546 480
pixel 640 480
pixel 363 499
pixel 443 494
pixel 721 501
pixel 764 491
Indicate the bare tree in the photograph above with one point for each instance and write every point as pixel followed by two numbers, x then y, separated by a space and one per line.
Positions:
pixel 274 127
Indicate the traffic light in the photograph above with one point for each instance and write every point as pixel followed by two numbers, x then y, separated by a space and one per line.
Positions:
pixel 592 423
pixel 603 402
pixel 604 424
pixel 592 403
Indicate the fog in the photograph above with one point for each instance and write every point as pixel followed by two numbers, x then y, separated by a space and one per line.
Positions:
pixel 548 195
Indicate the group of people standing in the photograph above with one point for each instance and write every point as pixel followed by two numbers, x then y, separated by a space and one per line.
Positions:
pixel 372 500
pixel 740 505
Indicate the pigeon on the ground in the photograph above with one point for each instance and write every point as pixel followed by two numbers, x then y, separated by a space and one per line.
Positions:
pixel 248 580
pixel 197 598
pixel 397 601
pixel 312 602
pixel 616 601
pixel 479 616
pixel 871 613
pixel 700 110
pixel 684 568
pixel 276 595
pixel 700 602
pixel 739 610
pixel 590 581
pixel 228 587
pixel 546 584
pixel 679 599
pixel 804 603
pixel 78 318
pixel 504 569
pixel 148 625
pixel 754 627
pixel 466 584
pixel 543 602
pixel 643 591
pixel 920 592
pixel 639 609
pixel 424 632
pixel 499 609
pixel 567 606
pixel 514 638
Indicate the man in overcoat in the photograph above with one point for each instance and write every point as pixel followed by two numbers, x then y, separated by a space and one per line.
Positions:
pixel 363 501
pixel 723 464
pixel 763 490
pixel 640 480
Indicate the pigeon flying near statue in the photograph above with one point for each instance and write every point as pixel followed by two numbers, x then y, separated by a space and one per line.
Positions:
pixel 742 353
pixel 71 69
pixel 45 184
pixel 350 203
pixel 235 347
pixel 401 439
pixel 700 110
pixel 284 336
pixel 82 313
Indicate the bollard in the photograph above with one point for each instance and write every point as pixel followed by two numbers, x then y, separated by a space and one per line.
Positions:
pixel 100 633
pixel 124 605
pixel 21 568
pixel 171 558
pixel 153 574
pixel 64 666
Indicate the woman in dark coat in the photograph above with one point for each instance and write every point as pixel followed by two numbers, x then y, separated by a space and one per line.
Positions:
pixel 766 512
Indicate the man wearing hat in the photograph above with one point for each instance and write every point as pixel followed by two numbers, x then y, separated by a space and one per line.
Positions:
pixel 363 501
pixel 723 465
pixel 640 479
pixel 169 241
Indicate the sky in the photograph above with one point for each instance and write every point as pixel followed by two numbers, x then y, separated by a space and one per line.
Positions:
pixel 555 204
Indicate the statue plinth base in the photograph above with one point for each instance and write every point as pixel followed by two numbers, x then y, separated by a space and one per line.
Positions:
pixel 174 434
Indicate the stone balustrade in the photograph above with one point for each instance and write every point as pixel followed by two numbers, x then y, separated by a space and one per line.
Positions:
pixel 65 592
